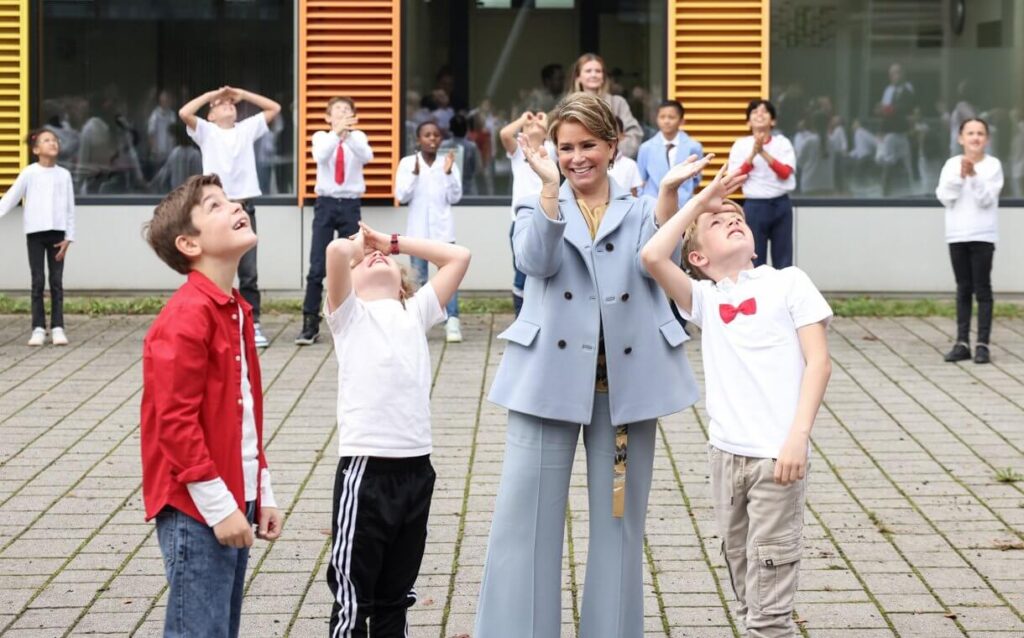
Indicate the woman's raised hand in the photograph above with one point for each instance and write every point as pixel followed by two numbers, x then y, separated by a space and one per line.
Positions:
pixel 680 173
pixel 540 163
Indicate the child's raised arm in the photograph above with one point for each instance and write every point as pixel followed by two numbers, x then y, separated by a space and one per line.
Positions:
pixel 668 190
pixel 509 131
pixel 341 254
pixel 452 260
pixel 657 253
pixel 188 112
pixel 269 107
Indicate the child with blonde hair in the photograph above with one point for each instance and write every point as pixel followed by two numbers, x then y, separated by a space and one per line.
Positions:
pixel 384 481
pixel 766 366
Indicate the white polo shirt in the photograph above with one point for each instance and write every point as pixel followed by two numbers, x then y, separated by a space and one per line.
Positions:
pixel 384 374
pixel 625 173
pixel 229 153
pixel 526 182
pixel 762 182
pixel 753 365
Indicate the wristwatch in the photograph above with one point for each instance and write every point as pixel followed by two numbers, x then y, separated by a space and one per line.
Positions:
pixel 394 243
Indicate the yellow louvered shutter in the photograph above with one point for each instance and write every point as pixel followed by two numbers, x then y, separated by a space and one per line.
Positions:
pixel 13 88
pixel 351 48
pixel 718 62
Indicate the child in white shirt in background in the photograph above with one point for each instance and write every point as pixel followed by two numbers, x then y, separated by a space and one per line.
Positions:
pixel 430 187
pixel 624 169
pixel 49 224
pixel 969 188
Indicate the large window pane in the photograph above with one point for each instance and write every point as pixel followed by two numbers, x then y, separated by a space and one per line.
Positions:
pixel 112 75
pixel 491 59
pixel 872 92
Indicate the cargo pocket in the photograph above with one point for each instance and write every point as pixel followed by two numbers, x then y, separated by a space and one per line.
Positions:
pixel 778 561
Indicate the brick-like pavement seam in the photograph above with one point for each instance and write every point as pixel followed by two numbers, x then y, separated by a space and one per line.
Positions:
pixel 909 529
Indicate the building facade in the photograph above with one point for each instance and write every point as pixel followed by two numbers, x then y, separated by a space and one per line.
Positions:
pixel 870 92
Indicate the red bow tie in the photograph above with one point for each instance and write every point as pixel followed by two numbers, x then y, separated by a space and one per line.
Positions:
pixel 729 312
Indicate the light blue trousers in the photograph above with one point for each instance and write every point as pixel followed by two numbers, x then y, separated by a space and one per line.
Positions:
pixel 520 596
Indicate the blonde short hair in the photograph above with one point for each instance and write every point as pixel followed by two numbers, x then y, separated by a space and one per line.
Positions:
pixel 587 110
pixel 691 242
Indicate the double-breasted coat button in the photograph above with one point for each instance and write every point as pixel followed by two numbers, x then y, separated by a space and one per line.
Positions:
pixel 568 295
pixel 609 247
pixel 628 350
pixel 561 343
pixel 625 296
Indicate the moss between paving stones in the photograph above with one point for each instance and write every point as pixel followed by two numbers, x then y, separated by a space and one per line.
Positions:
pixel 475 305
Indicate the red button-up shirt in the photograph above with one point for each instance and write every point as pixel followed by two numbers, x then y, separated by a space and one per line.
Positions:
pixel 192 397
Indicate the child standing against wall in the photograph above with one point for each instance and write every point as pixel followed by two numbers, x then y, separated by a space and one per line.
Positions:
pixel 49 222
pixel 430 186
pixel 969 188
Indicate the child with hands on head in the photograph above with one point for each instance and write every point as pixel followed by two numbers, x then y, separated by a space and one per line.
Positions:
pixel 204 472
pixel 49 223
pixel 766 367
pixel 525 183
pixel 384 481
pixel 430 187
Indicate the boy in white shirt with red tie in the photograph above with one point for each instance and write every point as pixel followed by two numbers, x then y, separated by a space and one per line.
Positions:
pixel 340 155
pixel 766 367
pixel 768 160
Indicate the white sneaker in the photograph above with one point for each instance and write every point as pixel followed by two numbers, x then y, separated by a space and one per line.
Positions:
pixel 452 330
pixel 260 340
pixel 58 337
pixel 38 337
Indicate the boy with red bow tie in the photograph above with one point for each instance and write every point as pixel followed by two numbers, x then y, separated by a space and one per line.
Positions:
pixel 766 366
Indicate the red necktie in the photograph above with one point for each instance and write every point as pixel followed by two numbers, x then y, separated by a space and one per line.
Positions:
pixel 728 312
pixel 339 166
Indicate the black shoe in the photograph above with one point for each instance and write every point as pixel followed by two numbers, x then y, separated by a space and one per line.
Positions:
pixel 960 352
pixel 981 354
pixel 311 331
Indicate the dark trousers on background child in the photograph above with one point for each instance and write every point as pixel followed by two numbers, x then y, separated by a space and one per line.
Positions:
pixel 972 267
pixel 248 283
pixel 206 580
pixel 331 217
pixel 379 532
pixel 771 220
pixel 42 253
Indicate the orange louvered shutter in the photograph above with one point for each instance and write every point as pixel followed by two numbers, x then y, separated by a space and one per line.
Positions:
pixel 718 62
pixel 351 48
pixel 13 88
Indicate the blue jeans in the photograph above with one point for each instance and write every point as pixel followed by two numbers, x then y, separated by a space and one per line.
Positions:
pixel 331 216
pixel 771 220
pixel 421 266
pixel 206 579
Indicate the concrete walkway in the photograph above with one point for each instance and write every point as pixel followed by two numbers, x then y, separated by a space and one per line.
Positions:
pixel 909 531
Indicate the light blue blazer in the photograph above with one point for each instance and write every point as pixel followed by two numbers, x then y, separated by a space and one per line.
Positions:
pixel 574 286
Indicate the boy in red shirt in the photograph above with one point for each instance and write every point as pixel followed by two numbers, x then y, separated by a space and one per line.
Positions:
pixel 204 474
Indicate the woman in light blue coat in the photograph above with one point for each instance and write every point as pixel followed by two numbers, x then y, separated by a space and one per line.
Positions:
pixel 595 345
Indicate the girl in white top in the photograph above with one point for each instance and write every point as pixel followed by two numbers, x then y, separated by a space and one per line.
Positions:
pixel 430 188
pixel 49 223
pixel 624 169
pixel 384 481
pixel 969 188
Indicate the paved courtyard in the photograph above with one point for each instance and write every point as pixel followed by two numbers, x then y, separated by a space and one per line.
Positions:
pixel 909 530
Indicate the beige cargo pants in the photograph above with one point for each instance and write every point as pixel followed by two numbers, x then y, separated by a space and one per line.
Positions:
pixel 760 523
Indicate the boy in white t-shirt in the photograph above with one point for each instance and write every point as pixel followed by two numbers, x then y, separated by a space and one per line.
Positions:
pixel 766 367
pixel 624 169
pixel 227 148
pixel 524 179
pixel 384 481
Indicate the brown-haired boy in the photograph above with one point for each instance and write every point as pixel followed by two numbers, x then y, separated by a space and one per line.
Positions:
pixel 766 366
pixel 204 474
pixel 340 154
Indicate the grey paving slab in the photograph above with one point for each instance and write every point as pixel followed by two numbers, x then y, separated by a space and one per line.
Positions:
pixel 909 529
